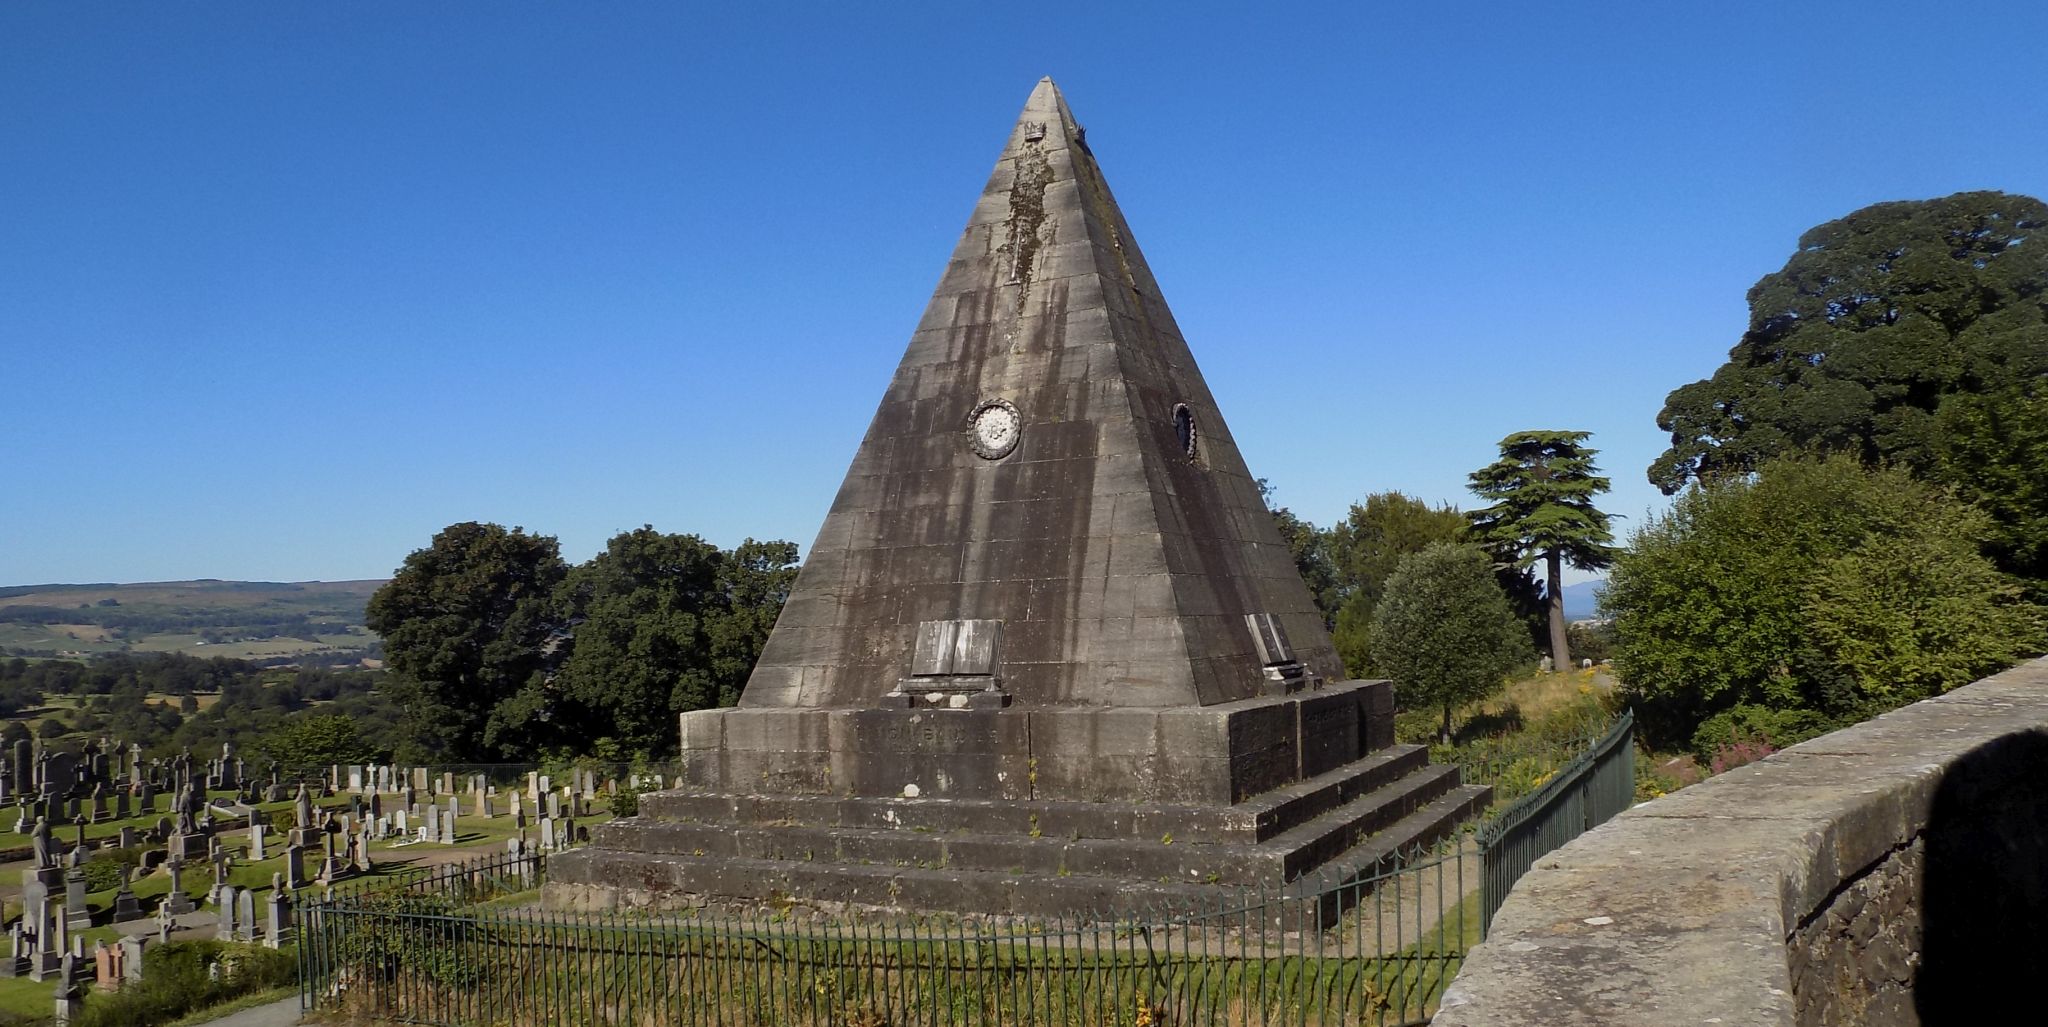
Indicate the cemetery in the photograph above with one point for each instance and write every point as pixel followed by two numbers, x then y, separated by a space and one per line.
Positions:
pixel 117 852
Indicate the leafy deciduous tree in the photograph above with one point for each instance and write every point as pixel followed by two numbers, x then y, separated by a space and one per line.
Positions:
pixel 319 740
pixel 467 624
pixel 1819 585
pixel 663 624
pixel 1365 548
pixel 1542 490
pixel 1445 629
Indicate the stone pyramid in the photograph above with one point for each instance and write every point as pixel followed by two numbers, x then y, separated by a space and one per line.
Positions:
pixel 1048 621
pixel 1118 538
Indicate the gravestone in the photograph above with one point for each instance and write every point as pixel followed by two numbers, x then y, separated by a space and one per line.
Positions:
pixel 1048 591
pixel 277 914
pixel 175 901
pixel 131 957
pixel 256 837
pixel 224 902
pixel 77 915
pixel 245 915
pixel 126 906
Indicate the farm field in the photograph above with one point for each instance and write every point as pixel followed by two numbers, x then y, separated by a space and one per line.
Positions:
pixel 251 620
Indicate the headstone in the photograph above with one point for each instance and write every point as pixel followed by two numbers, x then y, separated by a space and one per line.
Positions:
pixel 126 906
pixel 483 807
pixel 448 822
pixel 277 913
pixel 106 962
pixel 224 902
pixel 77 915
pixel 16 961
pixel 256 833
pixel 547 834
pixel 175 901
pixel 245 915
pixel 131 957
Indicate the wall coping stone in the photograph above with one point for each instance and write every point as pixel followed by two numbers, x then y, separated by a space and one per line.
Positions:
pixel 1679 911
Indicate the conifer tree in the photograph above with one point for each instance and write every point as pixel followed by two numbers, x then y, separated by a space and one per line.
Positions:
pixel 1541 490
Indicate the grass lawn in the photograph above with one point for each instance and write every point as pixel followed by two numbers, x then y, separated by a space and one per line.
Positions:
pixel 23 997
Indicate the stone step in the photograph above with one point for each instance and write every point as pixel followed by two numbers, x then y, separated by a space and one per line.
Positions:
pixel 1167 857
pixel 604 877
pixel 1254 820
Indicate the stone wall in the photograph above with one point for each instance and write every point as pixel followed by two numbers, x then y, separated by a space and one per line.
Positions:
pixel 1895 872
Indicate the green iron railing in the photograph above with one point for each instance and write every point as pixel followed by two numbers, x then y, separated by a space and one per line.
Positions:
pixel 1583 794
pixel 465 945
pixel 450 950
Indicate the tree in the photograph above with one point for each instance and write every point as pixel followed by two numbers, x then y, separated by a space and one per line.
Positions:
pixel 1542 490
pixel 1364 549
pixel 1445 631
pixel 1816 586
pixel 1993 447
pixel 467 625
pixel 1877 322
pixel 662 624
pixel 319 740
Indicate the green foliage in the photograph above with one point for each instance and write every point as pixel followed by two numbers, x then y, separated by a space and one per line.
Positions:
pixel 1447 630
pixel 1591 641
pixel 182 976
pixel 1364 550
pixel 1541 490
pixel 1993 448
pixel 103 871
pixel 317 740
pixel 664 624
pixel 1780 728
pixel 467 623
pixel 1857 344
pixel 422 940
pixel 1819 585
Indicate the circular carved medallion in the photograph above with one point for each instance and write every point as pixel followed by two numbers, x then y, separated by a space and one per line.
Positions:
pixel 993 428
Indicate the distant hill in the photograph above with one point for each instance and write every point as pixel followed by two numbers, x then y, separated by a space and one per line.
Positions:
pixel 1579 600
pixel 265 620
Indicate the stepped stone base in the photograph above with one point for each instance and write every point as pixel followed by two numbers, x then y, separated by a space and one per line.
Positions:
pixel 1220 754
pixel 1028 812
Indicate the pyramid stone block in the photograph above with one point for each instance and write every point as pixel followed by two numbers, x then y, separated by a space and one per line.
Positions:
pixel 1047 581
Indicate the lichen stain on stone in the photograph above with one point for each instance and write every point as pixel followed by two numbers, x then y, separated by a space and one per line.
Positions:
pixel 1027 215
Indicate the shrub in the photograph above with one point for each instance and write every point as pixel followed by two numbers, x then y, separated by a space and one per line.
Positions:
pixel 1815 585
pixel 1777 728
pixel 182 976
pixel 1738 752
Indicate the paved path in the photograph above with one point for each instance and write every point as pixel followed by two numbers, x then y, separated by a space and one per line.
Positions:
pixel 282 1013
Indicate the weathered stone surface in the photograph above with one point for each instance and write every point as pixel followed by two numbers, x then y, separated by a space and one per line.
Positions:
pixel 1119 567
pixel 1028 623
pixel 1863 877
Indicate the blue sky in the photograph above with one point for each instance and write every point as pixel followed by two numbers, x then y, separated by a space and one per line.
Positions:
pixel 285 288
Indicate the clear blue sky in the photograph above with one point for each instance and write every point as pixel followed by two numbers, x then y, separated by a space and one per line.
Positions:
pixel 285 288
